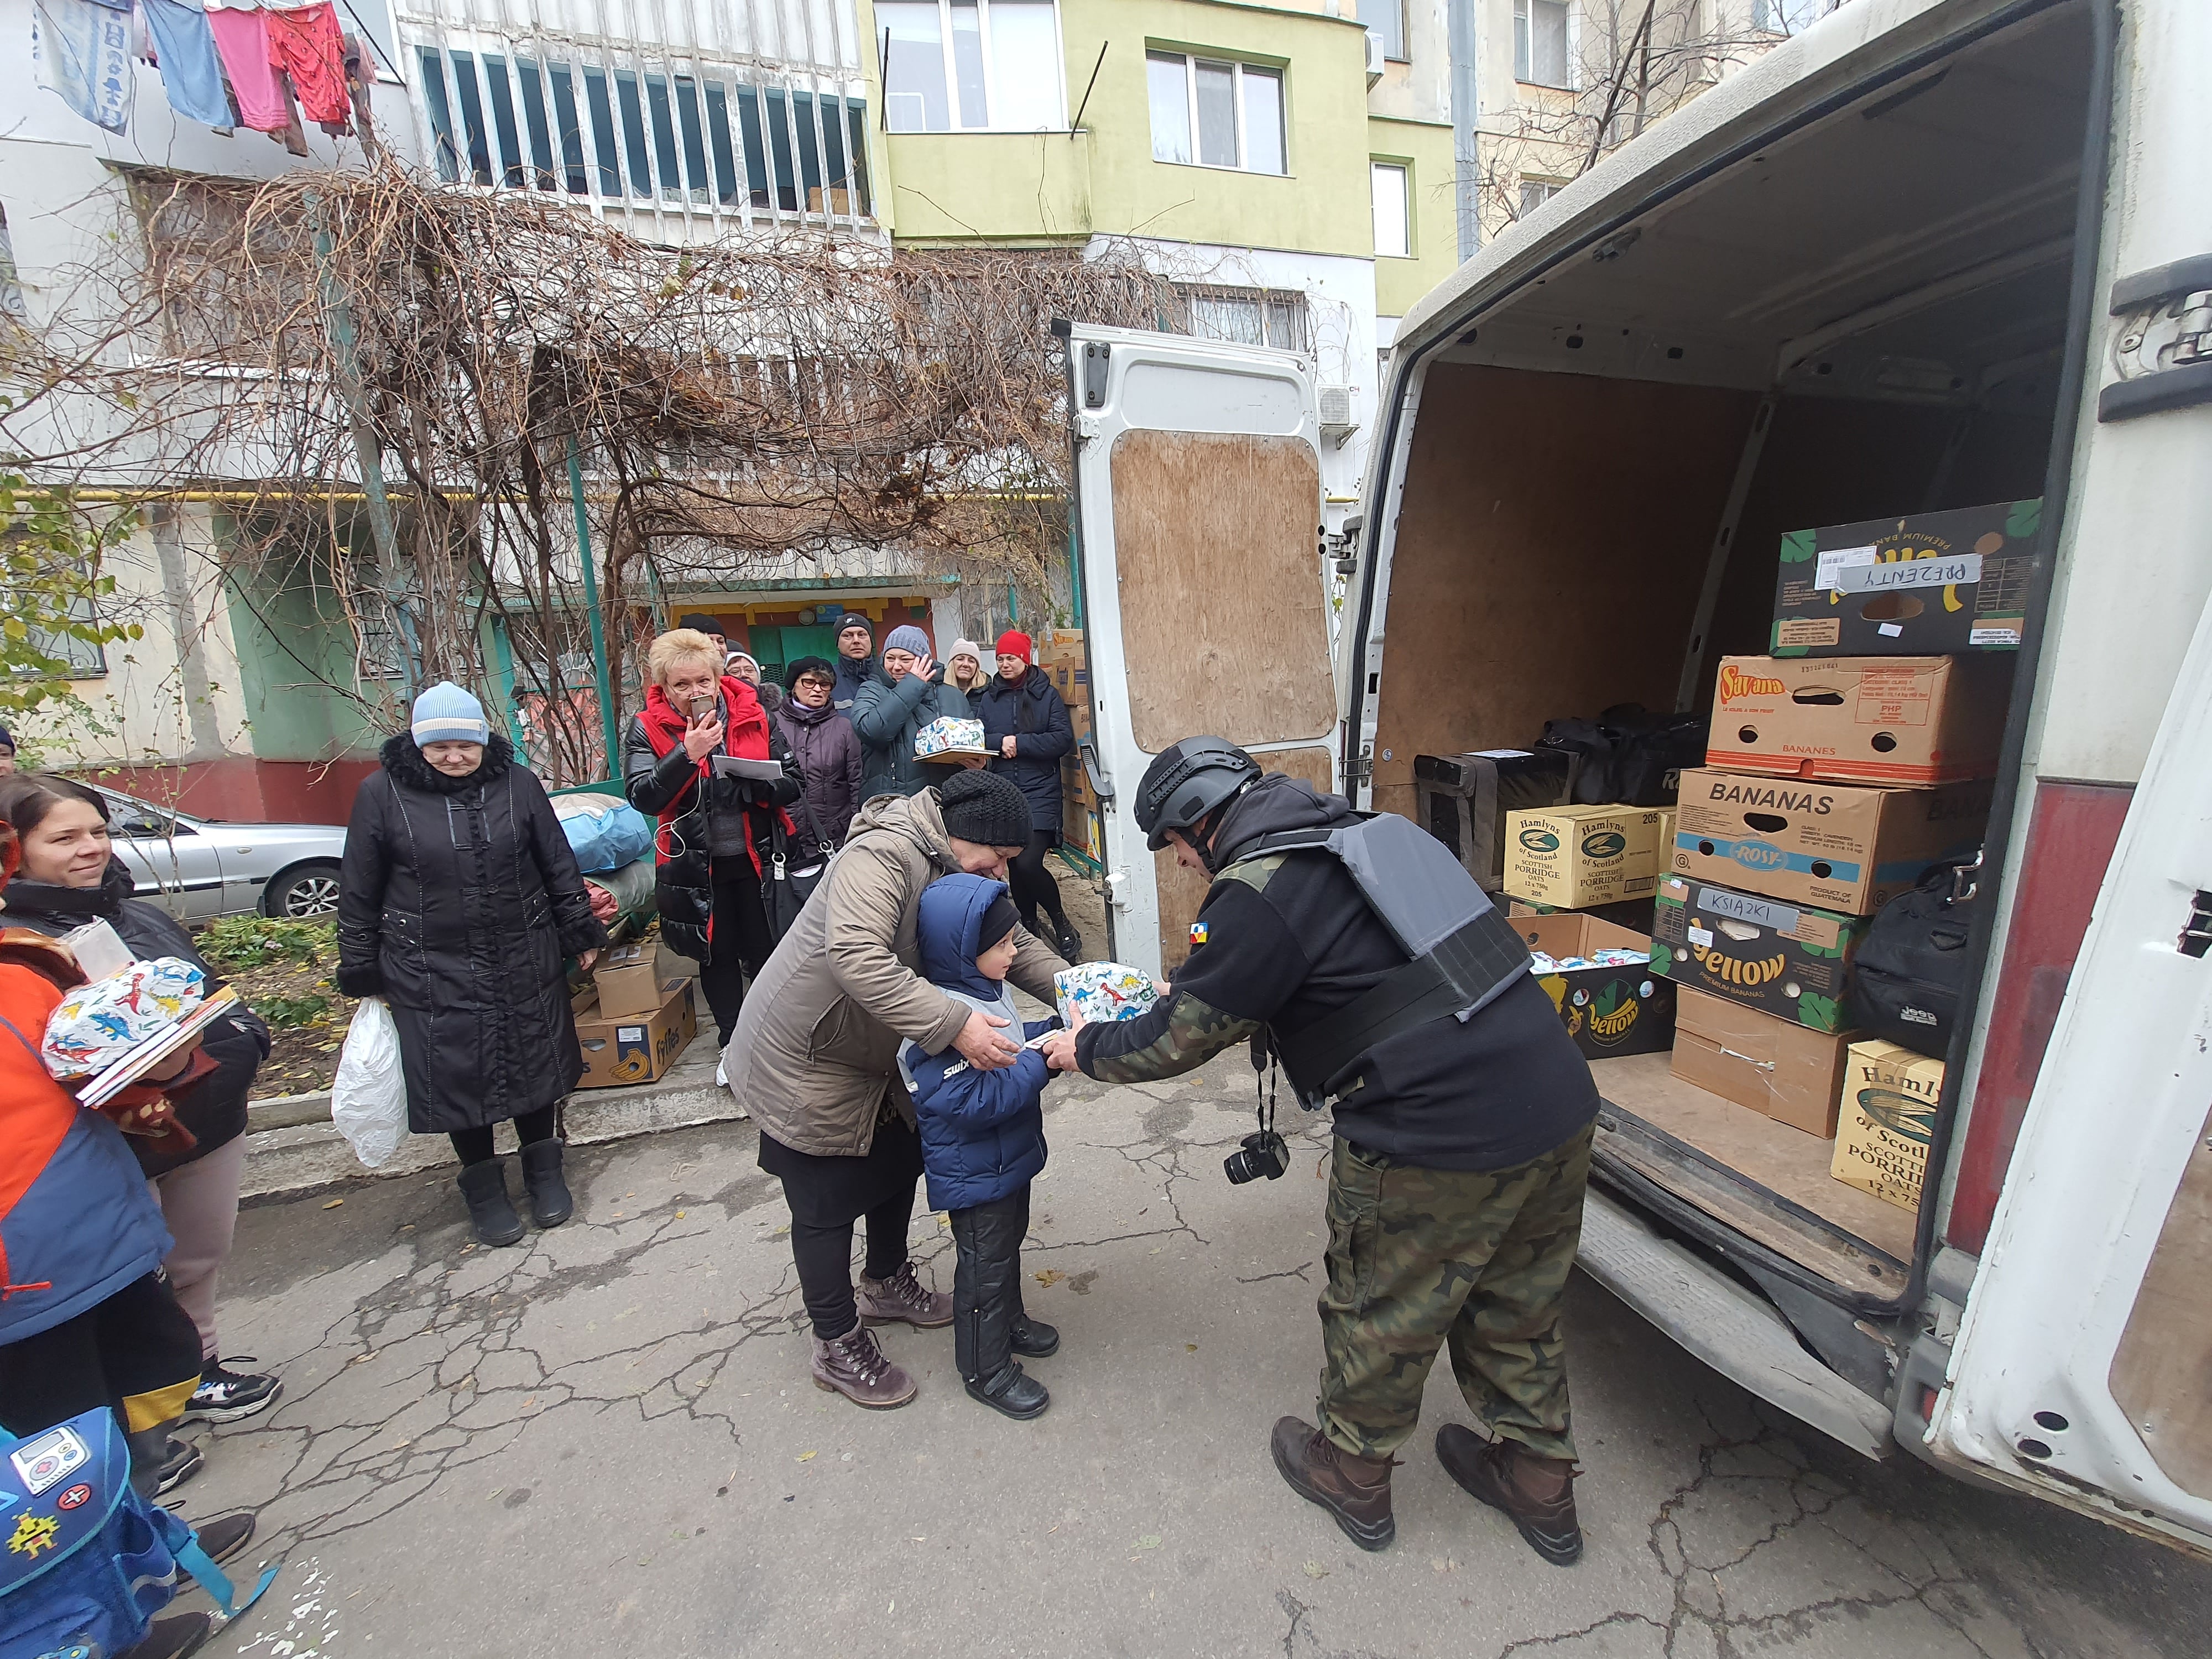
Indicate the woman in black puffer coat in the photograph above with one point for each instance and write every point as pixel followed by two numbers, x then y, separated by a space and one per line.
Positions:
pixel 1027 730
pixel 459 900
pixel 70 877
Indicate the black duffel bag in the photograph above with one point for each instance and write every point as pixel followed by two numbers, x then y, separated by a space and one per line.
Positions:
pixel 1628 757
pixel 1911 966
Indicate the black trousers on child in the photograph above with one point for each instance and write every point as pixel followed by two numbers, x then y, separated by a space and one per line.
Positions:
pixel 1031 884
pixel 986 1283
pixel 137 1353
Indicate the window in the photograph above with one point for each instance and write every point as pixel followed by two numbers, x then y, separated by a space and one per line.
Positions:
pixel 587 130
pixel 1540 42
pixel 1214 115
pixel 969 65
pixel 1393 231
pixel 1385 20
pixel 1246 316
pixel 1535 193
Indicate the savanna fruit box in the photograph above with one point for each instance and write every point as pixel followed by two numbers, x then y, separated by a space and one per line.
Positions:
pixel 1861 719
pixel 1841 848
pixel 1885 1122
pixel 1577 856
pixel 1608 1012
pixel 621 1048
pixel 1779 1070
pixel 1934 582
pixel 1789 961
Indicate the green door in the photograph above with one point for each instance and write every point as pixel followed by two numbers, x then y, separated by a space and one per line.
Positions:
pixel 791 643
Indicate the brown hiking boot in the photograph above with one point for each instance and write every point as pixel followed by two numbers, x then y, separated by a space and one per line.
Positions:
pixel 1355 1490
pixel 855 1366
pixel 901 1298
pixel 1537 1493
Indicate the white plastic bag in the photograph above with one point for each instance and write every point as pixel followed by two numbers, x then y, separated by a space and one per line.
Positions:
pixel 368 1099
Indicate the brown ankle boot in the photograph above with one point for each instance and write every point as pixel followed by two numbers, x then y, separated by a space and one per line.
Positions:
pixel 855 1366
pixel 1355 1490
pixel 901 1299
pixel 1537 1493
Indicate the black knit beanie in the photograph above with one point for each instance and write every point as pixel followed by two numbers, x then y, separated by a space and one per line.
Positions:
pixel 984 808
pixel 853 619
pixel 821 666
pixel 999 920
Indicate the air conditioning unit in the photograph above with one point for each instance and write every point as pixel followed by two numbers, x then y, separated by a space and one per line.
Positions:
pixel 1336 421
pixel 1374 57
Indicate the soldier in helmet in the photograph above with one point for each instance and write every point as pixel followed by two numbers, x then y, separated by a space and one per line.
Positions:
pixel 1368 962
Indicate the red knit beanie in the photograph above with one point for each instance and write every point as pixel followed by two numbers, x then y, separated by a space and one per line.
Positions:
pixel 1012 643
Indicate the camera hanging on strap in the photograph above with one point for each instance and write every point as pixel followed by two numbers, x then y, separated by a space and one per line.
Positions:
pixel 1263 1153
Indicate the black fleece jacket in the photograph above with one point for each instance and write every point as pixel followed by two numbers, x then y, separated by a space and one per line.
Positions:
pixel 1288 939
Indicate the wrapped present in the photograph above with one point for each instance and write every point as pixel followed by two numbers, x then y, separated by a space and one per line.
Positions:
pixel 947 736
pixel 95 1024
pixel 1102 991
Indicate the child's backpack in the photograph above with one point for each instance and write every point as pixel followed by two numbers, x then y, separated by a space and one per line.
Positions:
pixel 86 1562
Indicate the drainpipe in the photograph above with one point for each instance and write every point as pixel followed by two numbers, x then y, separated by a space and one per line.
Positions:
pixel 1466 164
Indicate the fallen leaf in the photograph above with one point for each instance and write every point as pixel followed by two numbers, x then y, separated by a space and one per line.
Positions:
pixel 1315 1570
pixel 1050 1277
pixel 679 1215
pixel 805 1456
pixel 1190 1347
pixel 334 1203
pixel 1150 1540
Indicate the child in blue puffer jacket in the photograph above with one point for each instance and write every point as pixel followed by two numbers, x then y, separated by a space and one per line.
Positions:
pixel 982 1143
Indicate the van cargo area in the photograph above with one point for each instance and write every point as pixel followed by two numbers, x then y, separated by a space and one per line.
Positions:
pixel 1865 318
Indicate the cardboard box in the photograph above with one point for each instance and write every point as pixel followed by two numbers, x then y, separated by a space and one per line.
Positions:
pixel 1463 801
pixel 1778 1069
pixel 1579 856
pixel 1886 1120
pixel 621 1049
pixel 1609 1011
pixel 1791 961
pixel 1850 850
pixel 628 979
pixel 1861 719
pixel 1634 914
pixel 1931 583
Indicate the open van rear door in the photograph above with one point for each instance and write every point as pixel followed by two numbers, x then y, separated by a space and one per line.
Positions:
pixel 1198 527
pixel 2080 1369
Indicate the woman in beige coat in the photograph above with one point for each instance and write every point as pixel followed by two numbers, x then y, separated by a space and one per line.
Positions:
pixel 815 1062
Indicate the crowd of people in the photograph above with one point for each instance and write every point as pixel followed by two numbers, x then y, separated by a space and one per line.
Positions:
pixel 869 1032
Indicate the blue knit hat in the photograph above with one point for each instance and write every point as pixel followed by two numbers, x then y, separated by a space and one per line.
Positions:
pixel 445 714
pixel 907 637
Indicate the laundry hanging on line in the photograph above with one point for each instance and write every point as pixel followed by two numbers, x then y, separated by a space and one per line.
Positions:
pixel 82 52
pixel 191 69
pixel 306 43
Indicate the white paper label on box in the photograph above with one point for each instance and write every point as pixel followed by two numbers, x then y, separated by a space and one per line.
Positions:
pixel 1890 629
pixel 1830 565
pixel 1741 907
pixel 1503 754
pixel 1959 570
pixel 629 1034
pixel 1702 937
pixel 2006 634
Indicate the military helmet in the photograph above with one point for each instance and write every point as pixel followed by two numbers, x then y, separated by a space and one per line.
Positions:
pixel 1186 781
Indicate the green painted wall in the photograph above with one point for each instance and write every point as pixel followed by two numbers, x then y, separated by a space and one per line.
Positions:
pixel 293 642
pixel 1426 151
pixel 1002 186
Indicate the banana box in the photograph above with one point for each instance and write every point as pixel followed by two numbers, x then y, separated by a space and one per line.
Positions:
pixel 1788 960
pixel 625 1049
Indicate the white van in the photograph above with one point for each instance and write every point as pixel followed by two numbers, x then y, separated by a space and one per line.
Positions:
pixel 1933 253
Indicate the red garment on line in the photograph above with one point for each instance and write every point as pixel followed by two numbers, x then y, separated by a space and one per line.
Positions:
pixel 308 45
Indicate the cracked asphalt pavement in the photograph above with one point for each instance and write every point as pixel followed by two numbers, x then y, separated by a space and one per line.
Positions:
pixel 604 1440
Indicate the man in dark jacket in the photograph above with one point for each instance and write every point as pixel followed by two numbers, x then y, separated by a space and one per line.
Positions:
pixel 1027 730
pixel 856 662
pixel 1462 1147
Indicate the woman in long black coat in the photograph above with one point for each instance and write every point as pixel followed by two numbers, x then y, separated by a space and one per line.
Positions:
pixel 459 900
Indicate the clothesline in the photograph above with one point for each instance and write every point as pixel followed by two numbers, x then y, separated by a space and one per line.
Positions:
pixel 223 63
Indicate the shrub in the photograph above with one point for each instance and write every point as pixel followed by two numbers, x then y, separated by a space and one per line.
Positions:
pixel 237 943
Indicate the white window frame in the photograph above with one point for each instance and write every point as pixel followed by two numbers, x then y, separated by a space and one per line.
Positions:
pixel 990 73
pixel 1405 172
pixel 1405 52
pixel 1524 27
pixel 1238 67
pixel 1551 187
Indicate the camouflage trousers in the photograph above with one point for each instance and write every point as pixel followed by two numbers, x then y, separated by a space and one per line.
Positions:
pixel 1419 1258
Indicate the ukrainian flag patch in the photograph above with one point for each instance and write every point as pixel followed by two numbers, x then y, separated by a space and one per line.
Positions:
pixel 1197 934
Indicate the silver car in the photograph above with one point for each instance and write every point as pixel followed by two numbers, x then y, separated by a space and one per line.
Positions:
pixel 198 869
